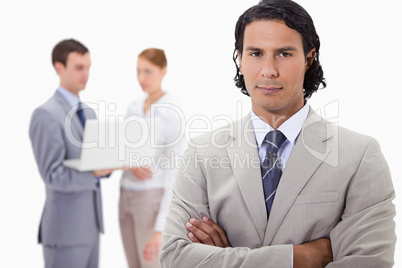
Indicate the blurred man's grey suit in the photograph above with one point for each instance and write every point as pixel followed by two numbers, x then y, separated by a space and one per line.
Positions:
pixel 72 214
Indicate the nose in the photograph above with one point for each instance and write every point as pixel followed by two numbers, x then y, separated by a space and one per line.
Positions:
pixel 86 73
pixel 270 68
pixel 140 77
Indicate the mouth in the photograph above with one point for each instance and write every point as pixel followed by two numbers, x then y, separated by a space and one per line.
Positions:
pixel 269 89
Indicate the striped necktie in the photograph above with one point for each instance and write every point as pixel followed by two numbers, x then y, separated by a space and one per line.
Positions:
pixel 271 166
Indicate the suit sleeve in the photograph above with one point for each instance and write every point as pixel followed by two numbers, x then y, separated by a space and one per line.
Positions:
pixel 365 236
pixel 49 148
pixel 190 199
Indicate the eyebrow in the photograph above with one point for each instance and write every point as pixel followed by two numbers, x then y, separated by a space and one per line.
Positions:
pixel 289 48
pixel 251 48
pixel 286 48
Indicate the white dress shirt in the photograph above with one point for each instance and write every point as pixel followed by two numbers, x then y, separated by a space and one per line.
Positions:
pixel 290 128
pixel 164 112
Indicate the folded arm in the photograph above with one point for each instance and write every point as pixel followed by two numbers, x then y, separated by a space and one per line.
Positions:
pixel 317 253
pixel 190 199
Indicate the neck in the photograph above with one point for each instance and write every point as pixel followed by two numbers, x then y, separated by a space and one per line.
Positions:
pixel 72 91
pixel 274 118
pixel 154 96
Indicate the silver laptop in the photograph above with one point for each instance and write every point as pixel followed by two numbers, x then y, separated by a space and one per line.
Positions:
pixel 113 144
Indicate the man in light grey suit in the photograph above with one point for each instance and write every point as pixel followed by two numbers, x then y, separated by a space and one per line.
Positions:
pixel 333 203
pixel 72 216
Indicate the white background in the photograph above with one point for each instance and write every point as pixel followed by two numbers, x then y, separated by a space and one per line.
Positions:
pixel 360 55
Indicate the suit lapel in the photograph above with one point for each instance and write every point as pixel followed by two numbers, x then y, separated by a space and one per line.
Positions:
pixel 243 155
pixel 308 153
pixel 71 118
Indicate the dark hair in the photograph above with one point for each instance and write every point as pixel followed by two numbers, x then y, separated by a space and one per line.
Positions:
pixel 155 56
pixel 65 47
pixel 295 17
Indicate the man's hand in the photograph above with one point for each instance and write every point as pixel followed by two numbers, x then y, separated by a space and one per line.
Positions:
pixel 103 172
pixel 313 254
pixel 206 232
pixel 153 247
pixel 142 173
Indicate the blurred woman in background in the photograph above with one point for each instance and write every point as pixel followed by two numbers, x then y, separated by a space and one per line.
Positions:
pixel 145 193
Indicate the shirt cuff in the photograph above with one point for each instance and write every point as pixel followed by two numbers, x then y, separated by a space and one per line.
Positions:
pixel 291 259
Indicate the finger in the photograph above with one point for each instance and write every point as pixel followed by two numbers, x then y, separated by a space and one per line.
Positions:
pixel 147 254
pixel 134 171
pixel 140 173
pixel 210 231
pixel 192 237
pixel 101 173
pixel 203 237
pixel 108 172
pixel 220 231
pixel 145 173
pixel 156 253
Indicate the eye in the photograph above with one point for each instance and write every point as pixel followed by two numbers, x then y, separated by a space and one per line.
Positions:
pixel 284 54
pixel 255 54
pixel 148 72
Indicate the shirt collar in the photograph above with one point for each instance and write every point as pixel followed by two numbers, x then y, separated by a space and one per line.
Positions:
pixel 290 128
pixel 71 99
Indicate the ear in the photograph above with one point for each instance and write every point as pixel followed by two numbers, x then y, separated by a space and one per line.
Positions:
pixel 239 60
pixel 59 67
pixel 164 70
pixel 310 58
